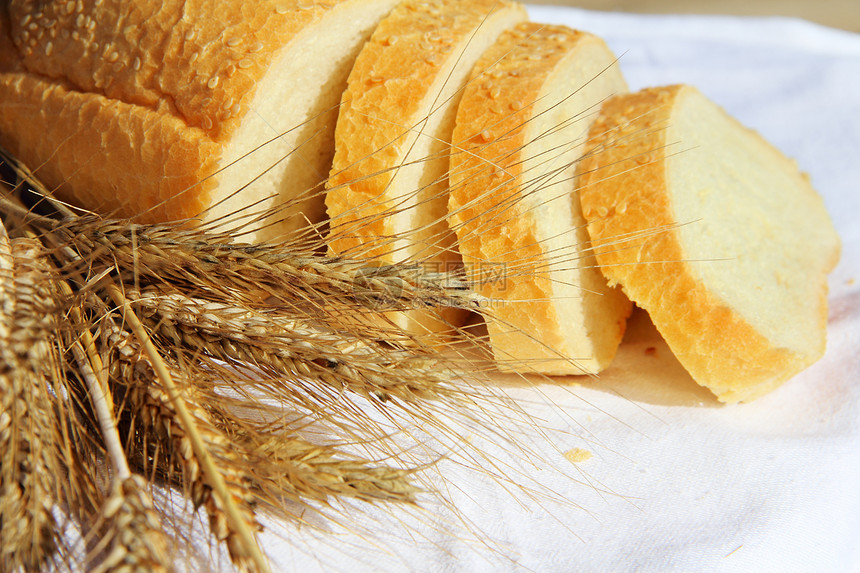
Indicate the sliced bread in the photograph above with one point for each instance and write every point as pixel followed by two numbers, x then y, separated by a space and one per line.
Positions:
pixel 170 110
pixel 715 233
pixel 521 127
pixel 387 192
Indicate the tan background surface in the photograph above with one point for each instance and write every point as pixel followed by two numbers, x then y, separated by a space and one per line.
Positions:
pixel 843 14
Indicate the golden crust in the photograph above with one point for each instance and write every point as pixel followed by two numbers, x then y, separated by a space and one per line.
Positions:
pixel 623 189
pixel 156 88
pixel 197 61
pixel 133 140
pixel 391 78
pixel 486 204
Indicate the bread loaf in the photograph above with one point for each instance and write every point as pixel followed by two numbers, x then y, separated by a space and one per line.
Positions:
pixel 521 127
pixel 170 110
pixel 715 233
pixel 388 187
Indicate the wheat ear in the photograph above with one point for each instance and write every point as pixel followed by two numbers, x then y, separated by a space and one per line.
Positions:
pixel 28 452
pixel 241 538
pixel 167 253
pixel 134 542
pixel 294 347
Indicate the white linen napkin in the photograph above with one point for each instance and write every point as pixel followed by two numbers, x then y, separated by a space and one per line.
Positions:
pixel 676 482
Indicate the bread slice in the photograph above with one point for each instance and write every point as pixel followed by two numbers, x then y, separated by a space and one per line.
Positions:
pixel 388 186
pixel 169 110
pixel 715 233
pixel 521 127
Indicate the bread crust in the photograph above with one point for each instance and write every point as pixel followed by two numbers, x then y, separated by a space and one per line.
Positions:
pixel 394 126
pixel 197 61
pixel 496 224
pixel 135 87
pixel 625 200
pixel 380 109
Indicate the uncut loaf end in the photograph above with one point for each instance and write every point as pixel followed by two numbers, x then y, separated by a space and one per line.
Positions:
pixel 174 110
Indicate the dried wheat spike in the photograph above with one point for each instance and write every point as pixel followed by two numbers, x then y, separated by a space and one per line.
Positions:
pixel 133 541
pixel 169 254
pixel 291 347
pixel 287 466
pixel 29 454
pixel 157 442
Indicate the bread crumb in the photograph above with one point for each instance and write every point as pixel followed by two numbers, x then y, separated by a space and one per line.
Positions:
pixel 577 455
pixel 651 351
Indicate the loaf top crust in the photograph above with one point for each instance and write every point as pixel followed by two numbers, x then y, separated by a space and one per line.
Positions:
pixel 197 61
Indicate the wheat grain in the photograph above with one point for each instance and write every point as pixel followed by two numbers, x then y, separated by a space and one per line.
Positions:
pixel 157 440
pixel 293 347
pixel 134 541
pixel 255 272
pixel 28 456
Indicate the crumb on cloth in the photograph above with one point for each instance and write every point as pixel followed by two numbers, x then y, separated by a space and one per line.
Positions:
pixel 577 455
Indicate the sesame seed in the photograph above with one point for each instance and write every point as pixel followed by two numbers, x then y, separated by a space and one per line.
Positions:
pixel 228 104
pixel 113 56
pixel 236 109
pixel 245 63
pixel 136 64
pixel 79 21
pixel 25 20
pixel 207 122
pixel 49 47
pixel 189 35
pixel 233 42
pixel 282 9
pixel 256 46
pixel 213 81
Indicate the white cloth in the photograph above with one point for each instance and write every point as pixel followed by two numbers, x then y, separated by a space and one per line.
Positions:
pixel 676 482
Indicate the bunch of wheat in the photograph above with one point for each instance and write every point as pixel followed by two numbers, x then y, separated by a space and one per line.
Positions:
pixel 139 355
